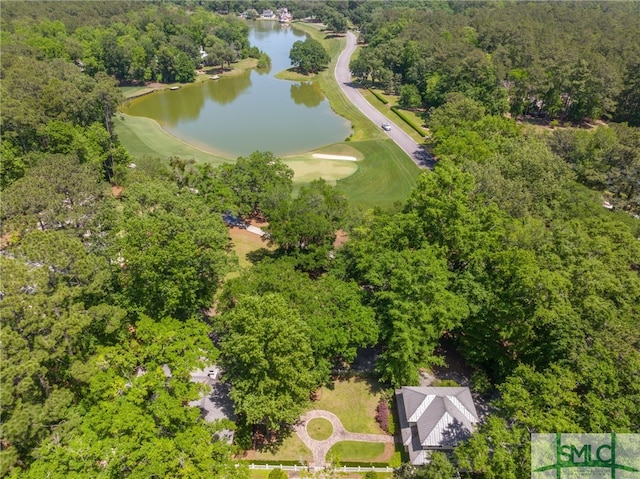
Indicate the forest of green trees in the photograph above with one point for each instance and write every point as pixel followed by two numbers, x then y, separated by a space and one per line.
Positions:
pixel 573 60
pixel 504 251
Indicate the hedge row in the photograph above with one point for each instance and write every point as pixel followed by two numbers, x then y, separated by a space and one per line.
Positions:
pixel 379 96
pixel 407 120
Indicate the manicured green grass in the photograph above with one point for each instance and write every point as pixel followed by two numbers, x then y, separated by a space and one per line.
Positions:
pixel 144 137
pixel 292 449
pixel 393 118
pixel 306 169
pixel 133 91
pixel 258 474
pixel 357 451
pixel 319 429
pixel 384 178
pixel 237 69
pixel 292 75
pixel 354 402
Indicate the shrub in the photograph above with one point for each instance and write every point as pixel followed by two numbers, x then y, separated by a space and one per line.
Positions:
pixel 371 475
pixel 278 474
pixel 382 415
pixel 264 61
pixel 446 383
pixel 407 120
pixel 379 96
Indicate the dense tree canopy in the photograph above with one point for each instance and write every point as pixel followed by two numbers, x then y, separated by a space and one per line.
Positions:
pixel 171 251
pixel 504 250
pixel 268 361
pixel 536 58
pixel 309 56
pixel 310 220
pixel 151 43
pixel 337 323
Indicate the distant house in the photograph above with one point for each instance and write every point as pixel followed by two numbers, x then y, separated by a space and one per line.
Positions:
pixel 284 16
pixel 268 15
pixel 434 419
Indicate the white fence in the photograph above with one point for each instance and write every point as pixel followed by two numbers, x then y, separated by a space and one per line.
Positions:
pixel 295 468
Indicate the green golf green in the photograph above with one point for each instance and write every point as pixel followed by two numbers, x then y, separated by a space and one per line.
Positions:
pixel 382 176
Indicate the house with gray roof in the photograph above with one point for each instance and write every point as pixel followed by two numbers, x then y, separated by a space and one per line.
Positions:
pixel 434 419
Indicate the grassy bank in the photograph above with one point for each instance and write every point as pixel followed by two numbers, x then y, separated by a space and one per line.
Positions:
pixel 363 128
pixel 384 174
pixel 144 137
pixel 387 174
pixel 386 110
pixel 384 178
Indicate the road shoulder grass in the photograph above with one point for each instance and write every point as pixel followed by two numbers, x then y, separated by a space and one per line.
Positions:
pixel 384 176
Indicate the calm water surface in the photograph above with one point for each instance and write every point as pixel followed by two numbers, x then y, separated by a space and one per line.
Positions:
pixel 254 111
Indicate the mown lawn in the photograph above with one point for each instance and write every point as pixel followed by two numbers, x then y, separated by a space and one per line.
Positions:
pixel 393 118
pixel 354 402
pixel 144 137
pixel 319 429
pixel 357 451
pixel 384 176
pixel 387 175
pixel 292 449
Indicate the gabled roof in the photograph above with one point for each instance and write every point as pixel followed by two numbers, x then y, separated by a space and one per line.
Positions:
pixel 434 417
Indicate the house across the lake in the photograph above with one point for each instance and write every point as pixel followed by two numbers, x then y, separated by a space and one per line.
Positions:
pixel 434 419
pixel 268 15
pixel 284 16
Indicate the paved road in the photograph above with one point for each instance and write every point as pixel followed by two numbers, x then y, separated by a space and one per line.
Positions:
pixel 321 448
pixel 418 154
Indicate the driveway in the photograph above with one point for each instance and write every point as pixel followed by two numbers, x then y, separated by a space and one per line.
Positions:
pixel 418 154
pixel 321 448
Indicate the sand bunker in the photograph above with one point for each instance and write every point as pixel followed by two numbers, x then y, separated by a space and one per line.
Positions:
pixel 334 157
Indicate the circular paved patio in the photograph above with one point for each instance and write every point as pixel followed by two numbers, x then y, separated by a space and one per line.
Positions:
pixel 321 448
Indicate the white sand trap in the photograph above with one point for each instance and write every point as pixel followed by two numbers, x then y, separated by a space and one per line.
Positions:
pixel 322 156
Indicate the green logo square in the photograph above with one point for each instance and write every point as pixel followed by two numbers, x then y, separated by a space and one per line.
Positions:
pixel 585 456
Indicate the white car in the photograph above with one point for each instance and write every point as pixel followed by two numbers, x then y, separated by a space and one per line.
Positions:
pixel 386 126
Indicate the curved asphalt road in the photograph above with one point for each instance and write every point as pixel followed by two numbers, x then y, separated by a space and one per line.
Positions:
pixel 418 154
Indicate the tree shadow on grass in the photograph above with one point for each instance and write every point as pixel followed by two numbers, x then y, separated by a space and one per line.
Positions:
pixel 270 442
pixel 258 255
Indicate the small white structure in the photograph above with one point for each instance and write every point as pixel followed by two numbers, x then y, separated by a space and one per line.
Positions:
pixel 268 15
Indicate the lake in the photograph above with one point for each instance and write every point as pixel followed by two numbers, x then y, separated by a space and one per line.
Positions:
pixel 254 111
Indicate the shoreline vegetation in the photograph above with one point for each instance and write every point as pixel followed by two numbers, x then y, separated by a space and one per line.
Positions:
pixel 202 75
pixel 385 167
